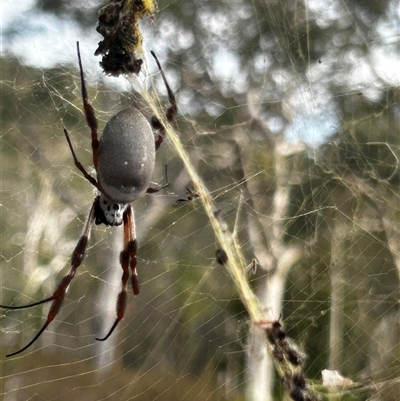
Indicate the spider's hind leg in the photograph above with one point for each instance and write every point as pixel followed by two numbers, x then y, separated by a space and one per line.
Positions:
pixel 128 260
pixel 58 296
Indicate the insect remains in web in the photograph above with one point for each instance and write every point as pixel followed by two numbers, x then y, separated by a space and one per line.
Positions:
pixel 124 159
pixel 252 266
pixel 281 348
pixel 221 257
pixel 122 44
pixel 289 359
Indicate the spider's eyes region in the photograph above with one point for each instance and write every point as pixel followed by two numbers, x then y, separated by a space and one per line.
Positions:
pixel 108 212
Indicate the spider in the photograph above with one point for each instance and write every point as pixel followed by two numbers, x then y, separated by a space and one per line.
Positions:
pixel 192 194
pixel 124 159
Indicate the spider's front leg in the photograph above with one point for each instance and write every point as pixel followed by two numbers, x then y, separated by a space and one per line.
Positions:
pixel 58 296
pixel 128 260
pixel 89 112
pixel 171 111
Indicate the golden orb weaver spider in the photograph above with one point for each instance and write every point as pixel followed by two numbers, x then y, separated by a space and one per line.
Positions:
pixel 124 159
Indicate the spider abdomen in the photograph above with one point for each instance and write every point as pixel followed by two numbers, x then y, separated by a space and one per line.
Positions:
pixel 126 156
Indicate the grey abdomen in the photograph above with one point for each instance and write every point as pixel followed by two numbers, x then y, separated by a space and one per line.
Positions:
pixel 126 156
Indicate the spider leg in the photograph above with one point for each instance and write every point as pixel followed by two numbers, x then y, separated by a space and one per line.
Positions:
pixel 192 194
pixel 173 108
pixel 171 111
pixel 58 296
pixel 78 164
pixel 151 190
pixel 132 248
pixel 89 112
pixel 127 258
pixel 178 201
pixel 43 301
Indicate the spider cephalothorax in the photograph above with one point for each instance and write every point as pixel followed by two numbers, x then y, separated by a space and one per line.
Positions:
pixel 124 159
pixel 108 212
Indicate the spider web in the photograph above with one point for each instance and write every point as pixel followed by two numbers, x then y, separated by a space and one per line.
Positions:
pixel 288 130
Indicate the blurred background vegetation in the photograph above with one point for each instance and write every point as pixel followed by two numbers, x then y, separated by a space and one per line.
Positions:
pixel 291 108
